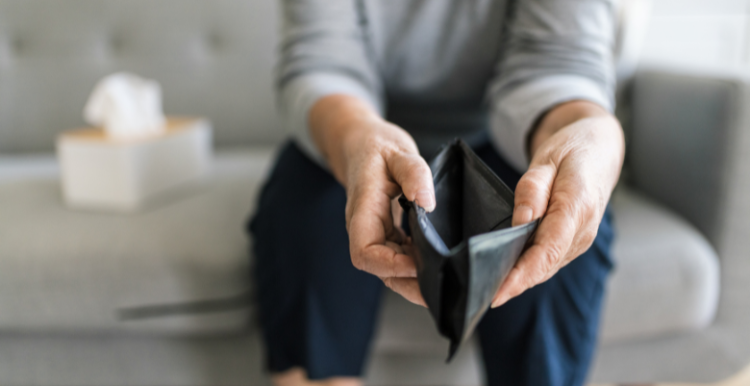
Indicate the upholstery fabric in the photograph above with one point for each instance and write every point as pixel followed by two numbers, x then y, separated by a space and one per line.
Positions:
pixel 666 277
pixel 179 266
pixel 117 360
pixel 213 58
pixel 679 147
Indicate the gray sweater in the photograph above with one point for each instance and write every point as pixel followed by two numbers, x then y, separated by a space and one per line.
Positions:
pixel 513 59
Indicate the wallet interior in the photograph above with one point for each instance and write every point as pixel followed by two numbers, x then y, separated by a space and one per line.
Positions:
pixel 471 200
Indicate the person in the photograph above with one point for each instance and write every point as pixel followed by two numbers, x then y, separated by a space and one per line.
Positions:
pixel 371 89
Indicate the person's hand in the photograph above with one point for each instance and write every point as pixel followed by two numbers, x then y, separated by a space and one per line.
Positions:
pixel 376 162
pixel 577 152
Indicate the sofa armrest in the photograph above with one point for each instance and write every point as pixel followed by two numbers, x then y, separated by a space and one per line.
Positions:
pixel 681 143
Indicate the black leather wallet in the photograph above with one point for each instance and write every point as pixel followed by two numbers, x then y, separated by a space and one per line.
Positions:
pixel 466 247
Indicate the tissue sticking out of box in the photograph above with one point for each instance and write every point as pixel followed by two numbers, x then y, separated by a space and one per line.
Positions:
pixel 126 106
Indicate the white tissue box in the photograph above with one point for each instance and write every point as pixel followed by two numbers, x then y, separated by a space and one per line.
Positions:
pixel 123 175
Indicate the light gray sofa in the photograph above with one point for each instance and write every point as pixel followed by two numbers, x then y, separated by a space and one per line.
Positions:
pixel 163 297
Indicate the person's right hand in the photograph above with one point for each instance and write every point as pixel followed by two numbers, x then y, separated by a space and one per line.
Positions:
pixel 376 162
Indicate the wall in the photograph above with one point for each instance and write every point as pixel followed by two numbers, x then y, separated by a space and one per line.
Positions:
pixel 698 35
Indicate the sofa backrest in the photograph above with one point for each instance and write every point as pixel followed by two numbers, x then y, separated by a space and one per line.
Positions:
pixel 682 149
pixel 213 58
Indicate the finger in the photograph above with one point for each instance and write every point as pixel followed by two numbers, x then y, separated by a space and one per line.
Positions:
pixel 410 171
pixel 533 193
pixel 395 246
pixel 406 287
pixel 393 232
pixel 370 250
pixel 397 212
pixel 581 242
pixel 374 240
pixel 383 261
pixel 552 242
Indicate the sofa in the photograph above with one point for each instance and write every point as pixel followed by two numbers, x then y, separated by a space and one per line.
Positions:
pixel 163 296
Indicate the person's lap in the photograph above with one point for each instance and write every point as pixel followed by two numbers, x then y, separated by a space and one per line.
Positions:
pixel 318 312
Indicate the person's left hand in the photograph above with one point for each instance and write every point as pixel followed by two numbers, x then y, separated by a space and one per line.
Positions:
pixel 577 153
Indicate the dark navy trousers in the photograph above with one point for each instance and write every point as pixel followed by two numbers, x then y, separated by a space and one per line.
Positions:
pixel 318 312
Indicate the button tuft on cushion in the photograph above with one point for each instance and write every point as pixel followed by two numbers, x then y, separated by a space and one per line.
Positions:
pixel 115 43
pixel 17 45
pixel 216 41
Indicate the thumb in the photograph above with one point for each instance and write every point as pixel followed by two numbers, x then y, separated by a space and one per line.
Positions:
pixel 533 193
pixel 414 176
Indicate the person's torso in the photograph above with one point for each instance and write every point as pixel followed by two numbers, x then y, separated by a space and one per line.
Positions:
pixel 436 59
pixel 435 53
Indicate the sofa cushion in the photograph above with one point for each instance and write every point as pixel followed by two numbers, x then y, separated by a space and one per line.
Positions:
pixel 180 265
pixel 666 278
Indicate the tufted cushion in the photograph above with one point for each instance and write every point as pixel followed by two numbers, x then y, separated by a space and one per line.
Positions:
pixel 213 58
pixel 180 266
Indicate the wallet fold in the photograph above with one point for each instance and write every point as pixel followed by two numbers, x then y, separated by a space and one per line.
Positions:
pixel 466 247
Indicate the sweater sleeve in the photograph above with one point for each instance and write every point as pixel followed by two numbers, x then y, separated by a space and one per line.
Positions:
pixel 323 52
pixel 554 51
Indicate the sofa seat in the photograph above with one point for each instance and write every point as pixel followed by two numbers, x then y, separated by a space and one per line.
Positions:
pixel 666 278
pixel 181 265
pixel 178 266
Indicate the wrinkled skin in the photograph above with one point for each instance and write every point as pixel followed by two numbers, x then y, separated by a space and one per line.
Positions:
pixel 576 154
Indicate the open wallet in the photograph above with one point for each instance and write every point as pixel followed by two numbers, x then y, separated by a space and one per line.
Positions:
pixel 466 247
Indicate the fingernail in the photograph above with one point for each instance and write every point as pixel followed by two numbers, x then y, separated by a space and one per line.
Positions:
pixel 499 301
pixel 426 199
pixel 522 215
